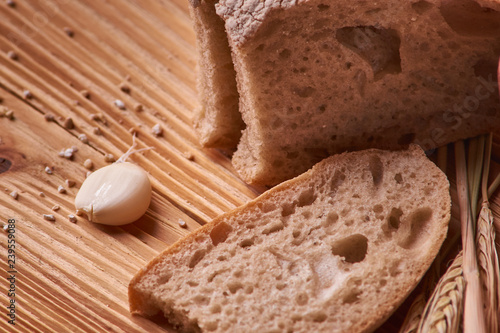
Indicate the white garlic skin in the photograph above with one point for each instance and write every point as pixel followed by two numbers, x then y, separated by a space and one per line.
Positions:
pixel 116 194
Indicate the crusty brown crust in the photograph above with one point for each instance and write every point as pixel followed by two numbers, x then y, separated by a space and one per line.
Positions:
pixel 139 305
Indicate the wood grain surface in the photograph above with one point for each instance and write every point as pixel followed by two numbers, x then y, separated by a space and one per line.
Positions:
pixel 73 277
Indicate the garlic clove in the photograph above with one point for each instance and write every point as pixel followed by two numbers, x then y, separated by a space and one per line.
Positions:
pixel 116 194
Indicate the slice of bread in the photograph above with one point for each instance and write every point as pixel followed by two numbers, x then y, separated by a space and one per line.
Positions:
pixel 336 249
pixel 320 77
pixel 217 121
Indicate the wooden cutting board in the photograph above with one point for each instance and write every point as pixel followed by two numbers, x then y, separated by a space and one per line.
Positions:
pixel 73 277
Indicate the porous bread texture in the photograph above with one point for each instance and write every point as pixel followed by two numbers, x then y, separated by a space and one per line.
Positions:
pixel 321 77
pixel 336 249
pixel 217 121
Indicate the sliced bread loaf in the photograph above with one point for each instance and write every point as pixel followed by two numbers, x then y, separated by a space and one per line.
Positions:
pixel 320 77
pixel 217 121
pixel 336 249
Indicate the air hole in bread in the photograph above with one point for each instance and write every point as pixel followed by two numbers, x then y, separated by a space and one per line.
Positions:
pixel 352 248
pixel 201 300
pixel 322 7
pixel 304 91
pixel 301 299
pixel 164 278
pixel 196 258
pixel 330 220
pixel 192 283
pixel 318 317
pixel 220 232
pixel 287 210
pixel 234 286
pixel 285 54
pixel 378 209
pixel 248 289
pixel 267 207
pixel 376 169
pixel 277 123
pixel 398 178
pixel 273 227
pixel 468 18
pixel 352 296
pixel 211 326
pixel 306 198
pixel 421 6
pixel 280 286
pixel 412 231
pixel 215 308
pixel 378 47
pixel 337 180
pixel 395 218
pixel 247 242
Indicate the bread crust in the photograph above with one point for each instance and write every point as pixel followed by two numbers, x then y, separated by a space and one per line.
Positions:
pixel 143 302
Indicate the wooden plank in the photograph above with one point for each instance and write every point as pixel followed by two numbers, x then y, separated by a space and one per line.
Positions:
pixel 74 276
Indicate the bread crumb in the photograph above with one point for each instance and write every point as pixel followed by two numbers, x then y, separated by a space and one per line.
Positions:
pixel 138 107
pixel 61 189
pixel 79 213
pixel 14 194
pixel 41 194
pixel 88 174
pixel 85 93
pixel 83 138
pixel 188 155
pixel 125 88
pixel 7 113
pixel 97 131
pixel 49 217
pixel 12 55
pixel 5 227
pixel 182 223
pixel 69 31
pixel 110 158
pixel 95 117
pixel 119 104
pixel 11 3
pixel 72 218
pixel 27 94
pixel 48 170
pixel 55 208
pixel 88 164
pixel 157 130
pixel 70 183
pixel 49 117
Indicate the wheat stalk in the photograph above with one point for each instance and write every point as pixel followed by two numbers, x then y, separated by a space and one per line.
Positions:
pixel 414 315
pixel 486 251
pixel 444 308
pixel 473 298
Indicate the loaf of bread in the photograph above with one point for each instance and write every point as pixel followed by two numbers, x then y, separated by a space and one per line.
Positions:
pixel 319 77
pixel 336 249
pixel 217 120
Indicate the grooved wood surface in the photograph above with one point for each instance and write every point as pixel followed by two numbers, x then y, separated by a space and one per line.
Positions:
pixel 73 277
